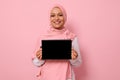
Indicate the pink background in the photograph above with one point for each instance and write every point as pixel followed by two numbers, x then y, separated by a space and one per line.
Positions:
pixel 96 22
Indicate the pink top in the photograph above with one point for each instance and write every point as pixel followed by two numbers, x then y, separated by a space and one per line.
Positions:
pixel 55 69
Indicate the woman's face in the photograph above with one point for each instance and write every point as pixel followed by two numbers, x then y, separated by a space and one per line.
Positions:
pixel 56 18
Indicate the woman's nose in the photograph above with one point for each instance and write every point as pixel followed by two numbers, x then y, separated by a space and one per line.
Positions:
pixel 56 17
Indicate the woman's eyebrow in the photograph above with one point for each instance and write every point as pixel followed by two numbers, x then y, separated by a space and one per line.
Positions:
pixel 60 13
pixel 52 13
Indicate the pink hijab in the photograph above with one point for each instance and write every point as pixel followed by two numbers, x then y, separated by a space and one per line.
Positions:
pixel 66 34
pixel 53 33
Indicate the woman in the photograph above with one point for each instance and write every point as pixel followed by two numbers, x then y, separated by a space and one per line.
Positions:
pixel 57 69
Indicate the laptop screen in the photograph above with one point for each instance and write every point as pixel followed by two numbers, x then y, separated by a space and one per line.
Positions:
pixel 56 49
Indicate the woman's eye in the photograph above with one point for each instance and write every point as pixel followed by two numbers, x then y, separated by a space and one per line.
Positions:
pixel 60 15
pixel 52 15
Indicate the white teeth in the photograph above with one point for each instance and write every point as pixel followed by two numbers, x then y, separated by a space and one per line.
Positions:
pixel 57 22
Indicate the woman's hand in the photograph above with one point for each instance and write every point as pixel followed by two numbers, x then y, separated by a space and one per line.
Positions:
pixel 74 54
pixel 39 54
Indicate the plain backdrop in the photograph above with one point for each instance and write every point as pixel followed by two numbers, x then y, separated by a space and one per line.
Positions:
pixel 96 23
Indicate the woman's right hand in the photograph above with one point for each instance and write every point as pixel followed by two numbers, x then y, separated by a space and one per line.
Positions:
pixel 39 54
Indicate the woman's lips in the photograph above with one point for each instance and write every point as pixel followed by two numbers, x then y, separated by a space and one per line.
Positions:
pixel 57 22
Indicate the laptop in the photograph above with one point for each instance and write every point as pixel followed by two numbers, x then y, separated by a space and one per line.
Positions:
pixel 56 49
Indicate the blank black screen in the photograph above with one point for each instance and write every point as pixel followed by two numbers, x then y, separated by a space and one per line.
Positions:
pixel 56 49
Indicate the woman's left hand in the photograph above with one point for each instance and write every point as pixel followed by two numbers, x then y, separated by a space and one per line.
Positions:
pixel 74 54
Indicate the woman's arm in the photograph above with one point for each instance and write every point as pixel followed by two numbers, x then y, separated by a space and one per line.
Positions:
pixel 75 46
pixel 37 62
